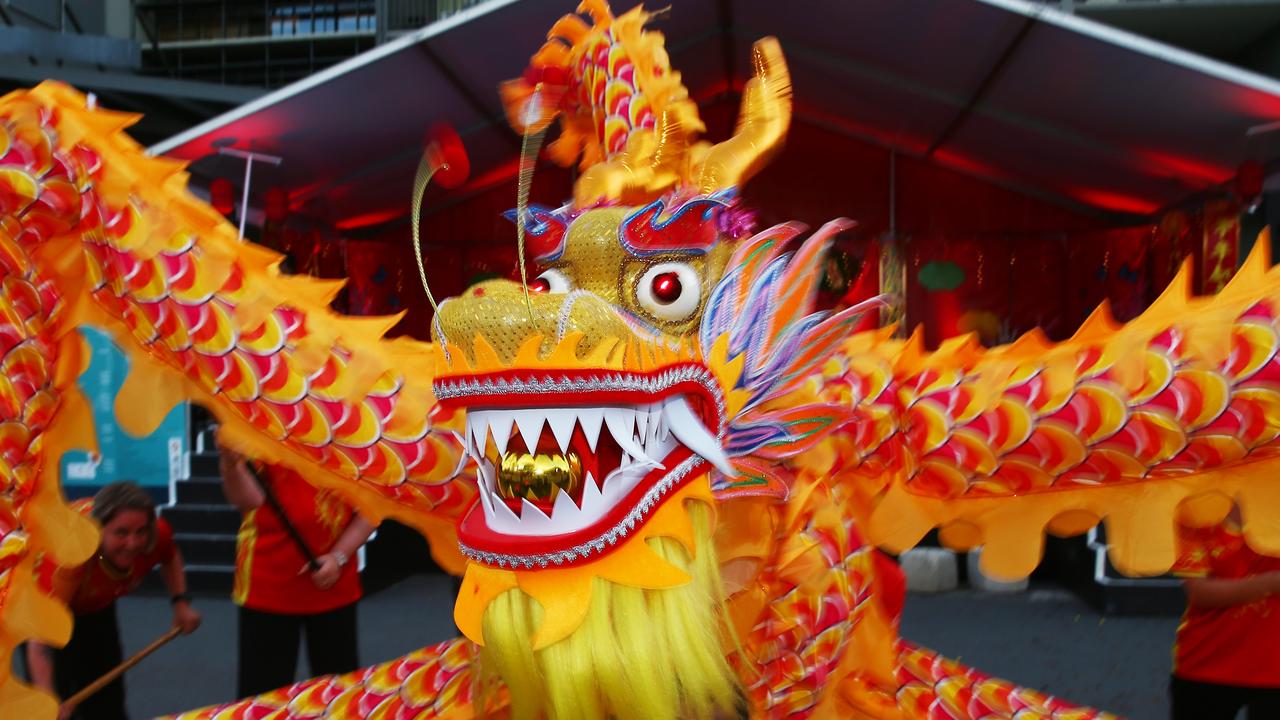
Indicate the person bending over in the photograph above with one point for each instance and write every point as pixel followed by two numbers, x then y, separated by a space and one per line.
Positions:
pixel 133 542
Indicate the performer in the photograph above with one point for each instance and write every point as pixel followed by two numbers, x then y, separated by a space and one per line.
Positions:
pixel 280 595
pixel 1225 655
pixel 134 541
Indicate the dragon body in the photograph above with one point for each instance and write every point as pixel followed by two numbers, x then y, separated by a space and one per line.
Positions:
pixel 663 473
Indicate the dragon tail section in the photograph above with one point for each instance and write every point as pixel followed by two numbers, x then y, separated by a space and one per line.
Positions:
pixel 1176 413
pixel 92 231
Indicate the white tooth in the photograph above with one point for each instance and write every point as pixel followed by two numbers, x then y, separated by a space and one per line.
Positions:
pixel 592 501
pixel 562 422
pixel 473 421
pixel 500 428
pixel 486 501
pixel 642 424
pixel 530 423
pixel 565 510
pixel 591 419
pixel 531 517
pixel 689 430
pixel 619 483
pixel 621 422
pixel 504 518
pixel 486 475
pixel 484 420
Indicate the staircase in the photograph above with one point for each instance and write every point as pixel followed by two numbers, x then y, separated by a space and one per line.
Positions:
pixel 204 526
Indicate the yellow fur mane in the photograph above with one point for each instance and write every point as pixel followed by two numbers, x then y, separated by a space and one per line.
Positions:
pixel 639 654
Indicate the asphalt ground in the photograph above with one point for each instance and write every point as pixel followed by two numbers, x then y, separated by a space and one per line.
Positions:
pixel 1044 638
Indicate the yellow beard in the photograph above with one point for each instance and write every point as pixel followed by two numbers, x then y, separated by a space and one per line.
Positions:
pixel 638 653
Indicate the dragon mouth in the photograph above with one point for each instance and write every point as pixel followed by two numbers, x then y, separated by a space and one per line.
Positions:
pixel 565 478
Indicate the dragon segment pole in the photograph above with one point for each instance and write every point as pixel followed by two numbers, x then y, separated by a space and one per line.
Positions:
pixel 248 157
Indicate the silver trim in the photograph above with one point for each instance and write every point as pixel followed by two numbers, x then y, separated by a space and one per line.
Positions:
pixel 616 381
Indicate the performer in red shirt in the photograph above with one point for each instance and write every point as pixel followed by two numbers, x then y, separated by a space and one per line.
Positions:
pixel 133 541
pixel 1227 653
pixel 280 597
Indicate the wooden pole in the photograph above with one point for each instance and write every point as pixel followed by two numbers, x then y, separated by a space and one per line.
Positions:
pixel 93 687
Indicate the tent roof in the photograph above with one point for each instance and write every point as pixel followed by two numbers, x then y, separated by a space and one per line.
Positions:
pixel 1019 94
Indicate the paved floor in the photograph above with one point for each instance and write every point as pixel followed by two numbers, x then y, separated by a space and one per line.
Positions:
pixel 1044 638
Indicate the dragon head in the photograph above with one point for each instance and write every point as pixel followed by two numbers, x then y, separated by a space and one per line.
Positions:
pixel 634 389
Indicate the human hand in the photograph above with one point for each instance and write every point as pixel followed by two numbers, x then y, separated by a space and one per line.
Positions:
pixel 325 576
pixel 186 617
pixel 64 711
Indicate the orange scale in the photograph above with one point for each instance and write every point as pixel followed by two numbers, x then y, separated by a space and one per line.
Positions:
pixel 404 428
pixel 25 362
pixel 994 694
pixel 420 457
pixel 179 270
pixel 936 479
pixel 385 467
pixel 39 409
pixel 14 440
pixel 309 426
pixel 329 374
pixel 340 462
pixel 147 283
pixel 267 338
pixel 17 189
pixel 388 384
pixel 10 402
pixel 21 298
pixel 216 335
pixel 954 696
pixel 1018 476
pixel 358 426
pixel 241 383
pixel 61 198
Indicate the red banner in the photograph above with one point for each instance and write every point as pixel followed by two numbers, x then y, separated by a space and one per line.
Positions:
pixel 1221 243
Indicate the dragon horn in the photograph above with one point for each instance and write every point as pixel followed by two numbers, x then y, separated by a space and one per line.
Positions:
pixel 763 121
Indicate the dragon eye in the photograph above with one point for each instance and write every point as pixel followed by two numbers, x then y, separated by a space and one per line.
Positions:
pixel 669 291
pixel 551 281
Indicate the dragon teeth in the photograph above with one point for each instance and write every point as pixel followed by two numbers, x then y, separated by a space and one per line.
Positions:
pixel 643 433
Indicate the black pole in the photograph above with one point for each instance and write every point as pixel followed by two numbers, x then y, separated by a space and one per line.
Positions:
pixel 284 519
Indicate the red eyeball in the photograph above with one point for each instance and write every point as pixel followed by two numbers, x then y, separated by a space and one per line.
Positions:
pixel 667 288
pixel 540 285
pixel 669 291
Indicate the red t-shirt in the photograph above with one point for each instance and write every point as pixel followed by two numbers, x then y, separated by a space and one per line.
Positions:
pixel 268 559
pixel 96 584
pixel 1237 645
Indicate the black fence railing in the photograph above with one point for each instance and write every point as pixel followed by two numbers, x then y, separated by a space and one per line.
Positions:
pixel 269 43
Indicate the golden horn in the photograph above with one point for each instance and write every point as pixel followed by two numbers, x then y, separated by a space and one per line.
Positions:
pixel 763 121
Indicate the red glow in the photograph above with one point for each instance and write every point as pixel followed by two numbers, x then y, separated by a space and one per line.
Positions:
pixel 1118 202
pixel 369 219
pixel 496 176
pixel 968 164
pixel 1187 168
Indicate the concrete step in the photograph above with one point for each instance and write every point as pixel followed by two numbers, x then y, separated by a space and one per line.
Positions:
pixel 200 491
pixel 202 518
pixel 207 548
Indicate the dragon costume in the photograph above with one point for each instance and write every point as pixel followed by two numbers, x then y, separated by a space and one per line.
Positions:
pixel 662 473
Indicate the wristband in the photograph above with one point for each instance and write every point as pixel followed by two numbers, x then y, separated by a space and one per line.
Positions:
pixel 180 597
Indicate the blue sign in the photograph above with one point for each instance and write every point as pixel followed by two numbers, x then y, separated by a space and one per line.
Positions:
pixel 154 461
